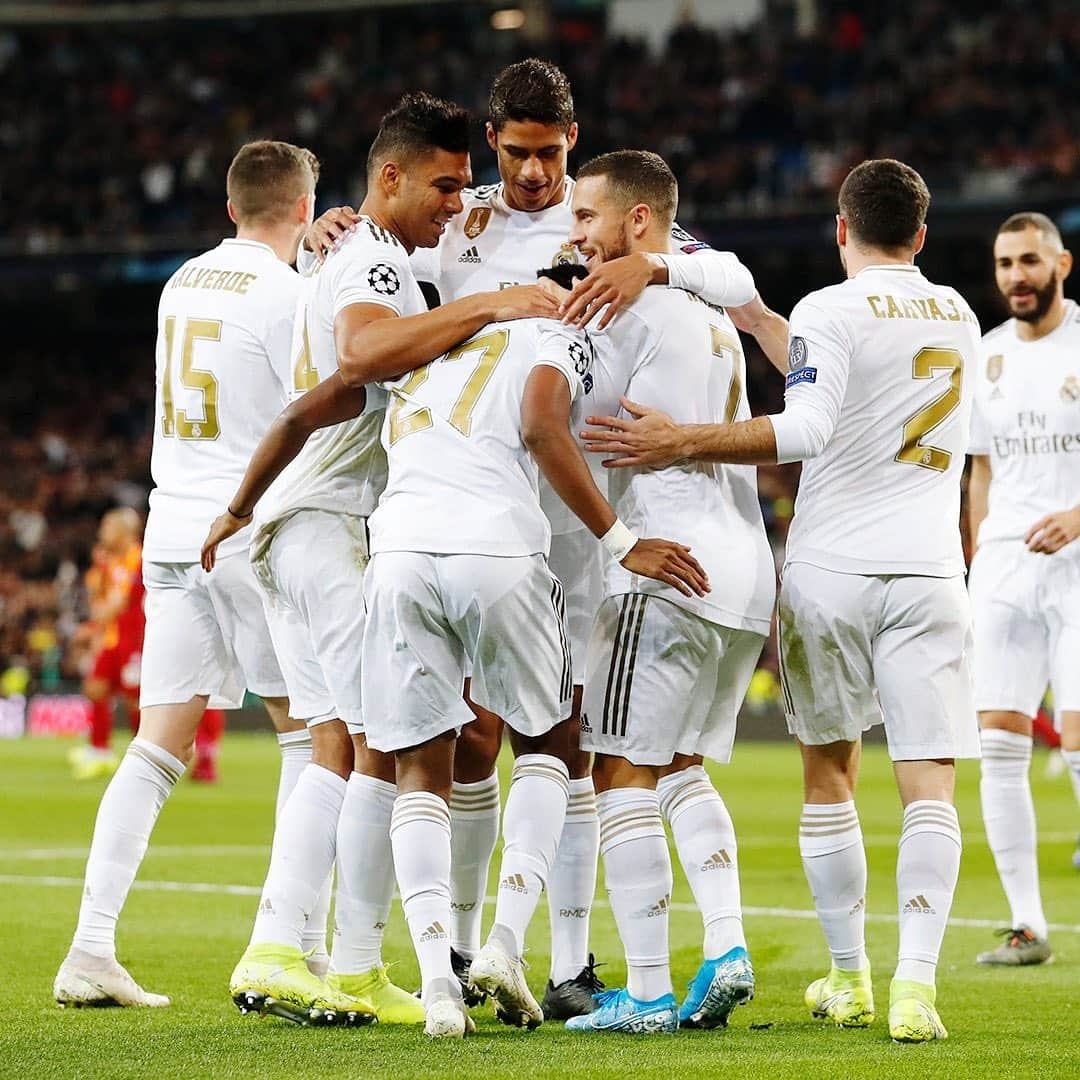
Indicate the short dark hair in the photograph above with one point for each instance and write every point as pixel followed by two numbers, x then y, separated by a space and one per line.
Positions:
pixel 419 124
pixel 637 176
pixel 266 178
pixel 531 90
pixel 1030 219
pixel 885 203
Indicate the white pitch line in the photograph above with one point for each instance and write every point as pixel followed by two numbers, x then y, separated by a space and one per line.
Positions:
pixel 255 890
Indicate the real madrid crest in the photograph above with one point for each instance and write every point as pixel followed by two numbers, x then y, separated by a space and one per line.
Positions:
pixel 994 366
pixel 567 255
pixel 1070 389
pixel 477 221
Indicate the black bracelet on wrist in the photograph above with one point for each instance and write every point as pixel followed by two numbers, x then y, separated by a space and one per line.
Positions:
pixel 232 513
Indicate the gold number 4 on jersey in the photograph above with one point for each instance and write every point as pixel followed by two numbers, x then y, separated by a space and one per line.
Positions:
pixel 175 422
pixel 927 363
pixel 490 347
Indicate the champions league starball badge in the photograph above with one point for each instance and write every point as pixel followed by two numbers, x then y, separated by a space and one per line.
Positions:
pixel 383 279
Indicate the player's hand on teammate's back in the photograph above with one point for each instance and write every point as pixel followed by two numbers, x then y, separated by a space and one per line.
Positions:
pixel 671 563
pixel 525 302
pixel 651 438
pixel 613 284
pixel 1053 532
pixel 329 229
pixel 223 527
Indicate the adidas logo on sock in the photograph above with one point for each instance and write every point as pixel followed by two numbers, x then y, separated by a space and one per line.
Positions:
pixel 515 883
pixel 266 907
pixel 718 860
pixel 434 932
pixel 919 905
pixel 653 911
pixel 470 256
pixel 858 906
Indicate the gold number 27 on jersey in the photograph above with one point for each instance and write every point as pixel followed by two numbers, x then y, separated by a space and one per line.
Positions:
pixel 927 363
pixel 175 422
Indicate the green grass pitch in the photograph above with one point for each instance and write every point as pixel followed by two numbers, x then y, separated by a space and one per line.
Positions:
pixel 188 920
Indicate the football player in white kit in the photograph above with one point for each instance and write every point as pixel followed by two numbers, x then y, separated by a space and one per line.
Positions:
pixel 459 580
pixel 1024 496
pixel 509 230
pixel 363 310
pixel 224 327
pixel 874 619
pixel 667 672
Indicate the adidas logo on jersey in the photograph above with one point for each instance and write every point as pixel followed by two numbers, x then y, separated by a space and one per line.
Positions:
pixel 718 860
pixel 919 905
pixel 434 932
pixel 515 883
pixel 470 256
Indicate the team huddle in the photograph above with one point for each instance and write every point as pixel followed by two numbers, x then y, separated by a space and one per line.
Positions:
pixel 484 468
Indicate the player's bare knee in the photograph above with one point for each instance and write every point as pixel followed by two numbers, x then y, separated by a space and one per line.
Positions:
pixel 278 710
pixel 373 763
pixel 1006 720
pixel 560 742
pixel 173 727
pixel 1070 731
pixel 427 767
pixel 918 781
pixel 332 748
pixel 477 752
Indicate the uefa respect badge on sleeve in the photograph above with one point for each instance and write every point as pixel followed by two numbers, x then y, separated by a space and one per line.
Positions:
pixel 798 371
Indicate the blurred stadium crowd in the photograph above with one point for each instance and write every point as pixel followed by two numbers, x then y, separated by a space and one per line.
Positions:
pixel 144 118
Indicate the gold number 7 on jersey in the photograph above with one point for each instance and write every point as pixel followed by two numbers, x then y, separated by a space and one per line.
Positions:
pixel 175 421
pixel 927 363
pixel 722 342
pixel 491 348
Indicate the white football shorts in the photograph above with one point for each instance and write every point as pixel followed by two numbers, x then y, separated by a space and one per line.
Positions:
pixel 430 615
pixel 206 634
pixel 857 650
pixel 577 560
pixel 312 572
pixel 663 681
pixel 1027 628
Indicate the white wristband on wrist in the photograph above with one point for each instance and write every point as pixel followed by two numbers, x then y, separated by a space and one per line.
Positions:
pixel 618 541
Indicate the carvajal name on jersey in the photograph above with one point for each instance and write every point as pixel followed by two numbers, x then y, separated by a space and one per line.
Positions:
pixel 206 277
pixel 891 307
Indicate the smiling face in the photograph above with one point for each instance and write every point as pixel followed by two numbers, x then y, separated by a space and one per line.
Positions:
pixel 601 229
pixel 426 193
pixel 532 161
pixel 1029 267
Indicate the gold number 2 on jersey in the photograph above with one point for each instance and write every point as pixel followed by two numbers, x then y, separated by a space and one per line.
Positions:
pixel 927 363
pixel 175 421
pixel 491 348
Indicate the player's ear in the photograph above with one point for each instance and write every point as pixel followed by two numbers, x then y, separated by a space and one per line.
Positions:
pixel 492 136
pixel 231 211
pixel 640 219
pixel 841 231
pixel 920 238
pixel 305 208
pixel 571 136
pixel 391 176
pixel 1064 265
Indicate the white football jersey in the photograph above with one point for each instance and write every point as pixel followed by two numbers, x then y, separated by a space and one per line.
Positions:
pixel 884 363
pixel 461 480
pixel 490 246
pixel 1027 418
pixel 342 468
pixel 685 359
pixel 222 359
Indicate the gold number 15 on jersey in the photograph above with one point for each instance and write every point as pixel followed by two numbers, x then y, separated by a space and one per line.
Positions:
pixel 927 363
pixel 175 422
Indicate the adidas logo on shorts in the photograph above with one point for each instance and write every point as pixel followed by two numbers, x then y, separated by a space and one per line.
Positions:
pixel 434 932
pixel 718 860
pixel 515 883
pixel 919 905
pixel 585 725
pixel 470 256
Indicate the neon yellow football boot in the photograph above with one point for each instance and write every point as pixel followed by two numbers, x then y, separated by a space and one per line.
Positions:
pixel 845 997
pixel 391 1004
pixel 912 1015
pixel 275 980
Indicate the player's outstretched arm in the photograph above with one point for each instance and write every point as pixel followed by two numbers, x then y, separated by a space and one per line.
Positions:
pixel 545 429
pixel 769 329
pixel 374 344
pixel 651 439
pixel 331 402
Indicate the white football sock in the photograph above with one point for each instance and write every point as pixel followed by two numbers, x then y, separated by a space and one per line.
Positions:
pixel 1072 759
pixel 532 824
pixel 295 755
pixel 927 867
pixel 572 884
pixel 637 869
pixel 125 818
pixel 705 839
pixel 1009 818
pixel 420 836
pixel 474 815
pixel 365 874
pixel 834 859
pixel 313 938
pixel 301 859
